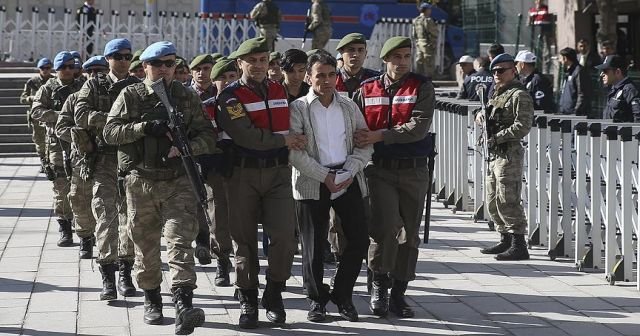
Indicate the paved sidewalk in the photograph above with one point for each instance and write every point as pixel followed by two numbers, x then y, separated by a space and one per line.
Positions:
pixel 46 290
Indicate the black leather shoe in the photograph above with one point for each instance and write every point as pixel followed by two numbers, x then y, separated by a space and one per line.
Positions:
pixel 66 233
pixel 248 308
pixel 272 301
pixel 317 312
pixel 397 303
pixel 348 311
pixel 222 272
pixel 153 306
pixel 86 247
pixel 202 254
pixel 379 303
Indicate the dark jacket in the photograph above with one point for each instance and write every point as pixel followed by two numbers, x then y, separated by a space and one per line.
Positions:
pixel 468 89
pixel 623 102
pixel 541 91
pixel 576 92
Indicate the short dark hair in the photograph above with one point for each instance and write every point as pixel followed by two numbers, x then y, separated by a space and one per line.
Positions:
pixel 495 50
pixel 321 57
pixel 291 57
pixel 484 62
pixel 584 41
pixel 607 43
pixel 570 53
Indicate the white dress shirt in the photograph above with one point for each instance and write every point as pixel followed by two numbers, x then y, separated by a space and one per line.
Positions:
pixel 329 130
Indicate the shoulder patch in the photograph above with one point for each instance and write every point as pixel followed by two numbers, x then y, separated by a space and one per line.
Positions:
pixel 539 95
pixel 235 111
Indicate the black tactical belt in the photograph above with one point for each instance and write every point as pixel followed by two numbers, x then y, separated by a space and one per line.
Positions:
pixel 159 175
pixel 251 162
pixel 400 163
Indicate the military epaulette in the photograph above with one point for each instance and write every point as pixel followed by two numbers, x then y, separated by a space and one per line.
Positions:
pixel 231 87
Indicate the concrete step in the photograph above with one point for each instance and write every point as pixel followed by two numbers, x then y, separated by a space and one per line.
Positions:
pixel 8 92
pixel 15 138
pixel 9 101
pixel 12 109
pixel 13 118
pixel 14 129
pixel 18 155
pixel 12 83
pixel 20 69
pixel 24 147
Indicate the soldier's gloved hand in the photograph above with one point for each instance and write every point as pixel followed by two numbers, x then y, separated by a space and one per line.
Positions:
pixel 157 128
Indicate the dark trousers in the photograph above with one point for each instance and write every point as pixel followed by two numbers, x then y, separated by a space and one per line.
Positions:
pixel 313 220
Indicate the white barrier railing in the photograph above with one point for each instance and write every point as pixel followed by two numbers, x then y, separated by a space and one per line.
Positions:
pixel 581 183
pixel 25 38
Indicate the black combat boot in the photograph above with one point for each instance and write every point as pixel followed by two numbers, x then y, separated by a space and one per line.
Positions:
pixel 66 235
pixel 86 247
pixel 125 284
pixel 152 306
pixel 248 308
pixel 517 251
pixel 187 317
pixel 222 271
pixel 397 304
pixel 503 245
pixel 272 301
pixel 202 254
pixel 108 272
pixel 379 304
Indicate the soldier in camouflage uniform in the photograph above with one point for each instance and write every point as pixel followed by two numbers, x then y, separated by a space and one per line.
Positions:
pixel 509 121
pixel 47 104
pixel 38 131
pixel 81 190
pixel 268 17
pixel 115 249
pixel 320 24
pixel 425 33
pixel 158 192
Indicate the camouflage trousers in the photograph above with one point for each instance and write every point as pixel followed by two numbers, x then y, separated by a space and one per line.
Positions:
pixel 61 185
pixel 397 199
pixel 270 33
pixel 39 135
pixel 150 204
pixel 219 214
pixel 320 37
pixel 503 187
pixel 425 59
pixel 110 213
pixel 80 195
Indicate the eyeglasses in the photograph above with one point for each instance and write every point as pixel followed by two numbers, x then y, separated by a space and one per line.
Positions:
pixel 500 71
pixel 67 66
pixel 120 57
pixel 159 63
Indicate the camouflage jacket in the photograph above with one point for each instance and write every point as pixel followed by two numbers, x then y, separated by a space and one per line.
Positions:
pixel 511 112
pixel 30 88
pixel 425 29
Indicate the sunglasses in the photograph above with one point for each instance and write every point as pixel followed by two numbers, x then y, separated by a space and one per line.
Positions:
pixel 159 63
pixel 500 71
pixel 67 66
pixel 96 71
pixel 120 57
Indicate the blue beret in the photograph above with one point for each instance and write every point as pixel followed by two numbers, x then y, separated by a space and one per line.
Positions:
pixel 75 54
pixel 44 62
pixel 502 58
pixel 116 44
pixel 95 60
pixel 61 58
pixel 425 5
pixel 157 50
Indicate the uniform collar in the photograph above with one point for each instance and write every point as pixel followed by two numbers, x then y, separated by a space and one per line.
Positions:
pixel 621 83
pixel 510 85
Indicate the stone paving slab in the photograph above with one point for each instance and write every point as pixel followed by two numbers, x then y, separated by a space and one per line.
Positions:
pixel 46 290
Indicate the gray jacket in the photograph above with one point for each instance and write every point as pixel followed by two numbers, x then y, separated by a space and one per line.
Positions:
pixel 307 173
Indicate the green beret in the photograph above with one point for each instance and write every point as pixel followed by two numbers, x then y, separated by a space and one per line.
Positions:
pixel 393 44
pixel 136 55
pixel 180 62
pixel 274 56
pixel 232 55
pixel 216 56
pixel 351 38
pixel 223 65
pixel 135 64
pixel 252 46
pixel 312 51
pixel 200 59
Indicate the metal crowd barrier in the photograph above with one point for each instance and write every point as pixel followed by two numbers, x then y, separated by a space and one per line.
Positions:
pixel 580 184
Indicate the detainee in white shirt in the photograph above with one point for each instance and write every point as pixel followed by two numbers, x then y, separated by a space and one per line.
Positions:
pixel 328 174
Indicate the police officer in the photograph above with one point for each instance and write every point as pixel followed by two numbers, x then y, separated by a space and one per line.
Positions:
pixel 158 192
pixel 201 66
pixel 577 91
pixel 254 113
pixel 353 48
pixel 95 99
pixel 268 17
pixel 623 100
pixel 425 33
pixel 538 86
pixel 482 76
pixel 38 131
pixel 466 66
pixel 510 119
pixel 47 104
pixel 398 108
pixel 320 24
pixel 81 189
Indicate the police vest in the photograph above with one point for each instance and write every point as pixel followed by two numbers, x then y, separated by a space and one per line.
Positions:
pixel 271 113
pixel 272 15
pixel 341 87
pixel 384 112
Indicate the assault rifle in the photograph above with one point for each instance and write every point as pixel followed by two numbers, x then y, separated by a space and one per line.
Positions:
pixel 307 23
pixel 481 90
pixel 181 141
